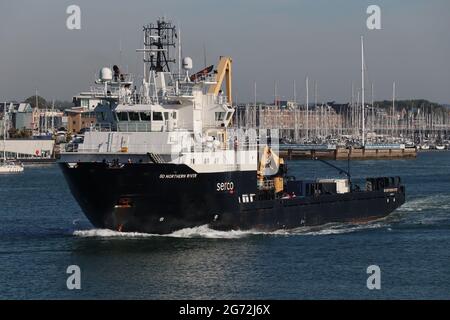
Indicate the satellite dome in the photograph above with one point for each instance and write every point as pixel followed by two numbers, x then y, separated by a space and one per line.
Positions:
pixel 187 63
pixel 106 74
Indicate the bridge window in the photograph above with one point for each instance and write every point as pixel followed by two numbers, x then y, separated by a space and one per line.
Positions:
pixel 220 116
pixel 122 116
pixel 157 116
pixel 134 116
pixel 145 116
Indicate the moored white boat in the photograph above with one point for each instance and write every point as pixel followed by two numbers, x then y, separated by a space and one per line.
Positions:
pixel 5 165
pixel 10 167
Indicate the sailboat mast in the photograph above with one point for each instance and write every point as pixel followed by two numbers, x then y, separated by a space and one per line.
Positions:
pixel 372 120
pixel 393 109
pixel 307 108
pixel 53 115
pixel 295 112
pixel 352 111
pixel 362 91
pixel 179 50
pixel 4 134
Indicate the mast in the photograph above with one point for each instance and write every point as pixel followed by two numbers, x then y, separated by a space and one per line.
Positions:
pixel 294 91
pixel 4 134
pixel 159 38
pixel 362 93
pixel 253 110
pixel 36 107
pixel 307 108
pixel 317 123
pixel 393 108
pixel 144 57
pixel 275 89
pixel 204 54
pixel 352 113
pixel 254 94
pixel 295 112
pixel 53 116
pixel 46 120
pixel 373 112
pixel 357 118
pixel 120 51
pixel 179 50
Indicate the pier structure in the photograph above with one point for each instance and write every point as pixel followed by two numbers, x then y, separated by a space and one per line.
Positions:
pixel 330 152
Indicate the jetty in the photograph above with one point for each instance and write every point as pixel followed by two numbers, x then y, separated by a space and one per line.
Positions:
pixel 326 152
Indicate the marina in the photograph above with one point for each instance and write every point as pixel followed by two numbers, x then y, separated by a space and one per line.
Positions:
pixel 331 152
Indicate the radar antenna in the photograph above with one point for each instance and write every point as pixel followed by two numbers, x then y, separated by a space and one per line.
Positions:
pixel 159 38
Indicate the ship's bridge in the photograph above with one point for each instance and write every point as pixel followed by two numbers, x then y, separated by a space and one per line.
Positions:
pixel 145 118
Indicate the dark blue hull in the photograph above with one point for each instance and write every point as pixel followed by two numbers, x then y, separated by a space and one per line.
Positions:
pixel 162 198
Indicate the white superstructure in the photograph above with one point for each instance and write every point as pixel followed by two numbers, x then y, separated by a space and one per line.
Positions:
pixel 172 117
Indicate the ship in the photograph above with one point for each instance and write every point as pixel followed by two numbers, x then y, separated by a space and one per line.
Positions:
pixel 167 156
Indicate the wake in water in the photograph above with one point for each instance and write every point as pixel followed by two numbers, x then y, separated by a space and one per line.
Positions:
pixel 196 232
pixel 335 228
pixel 429 210
pixel 437 202
pixel 420 211
pixel 208 233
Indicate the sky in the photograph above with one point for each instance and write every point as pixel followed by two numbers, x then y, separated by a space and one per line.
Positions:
pixel 269 40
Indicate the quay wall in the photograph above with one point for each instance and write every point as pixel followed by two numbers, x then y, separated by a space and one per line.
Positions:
pixel 354 154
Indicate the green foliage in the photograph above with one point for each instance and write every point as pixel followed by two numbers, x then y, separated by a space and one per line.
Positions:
pixel 20 134
pixel 62 105
pixel 411 105
pixel 42 103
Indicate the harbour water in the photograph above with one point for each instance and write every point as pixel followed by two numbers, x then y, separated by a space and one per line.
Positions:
pixel 43 231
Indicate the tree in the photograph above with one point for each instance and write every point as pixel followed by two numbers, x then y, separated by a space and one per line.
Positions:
pixel 42 103
pixel 62 105
pixel 20 134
